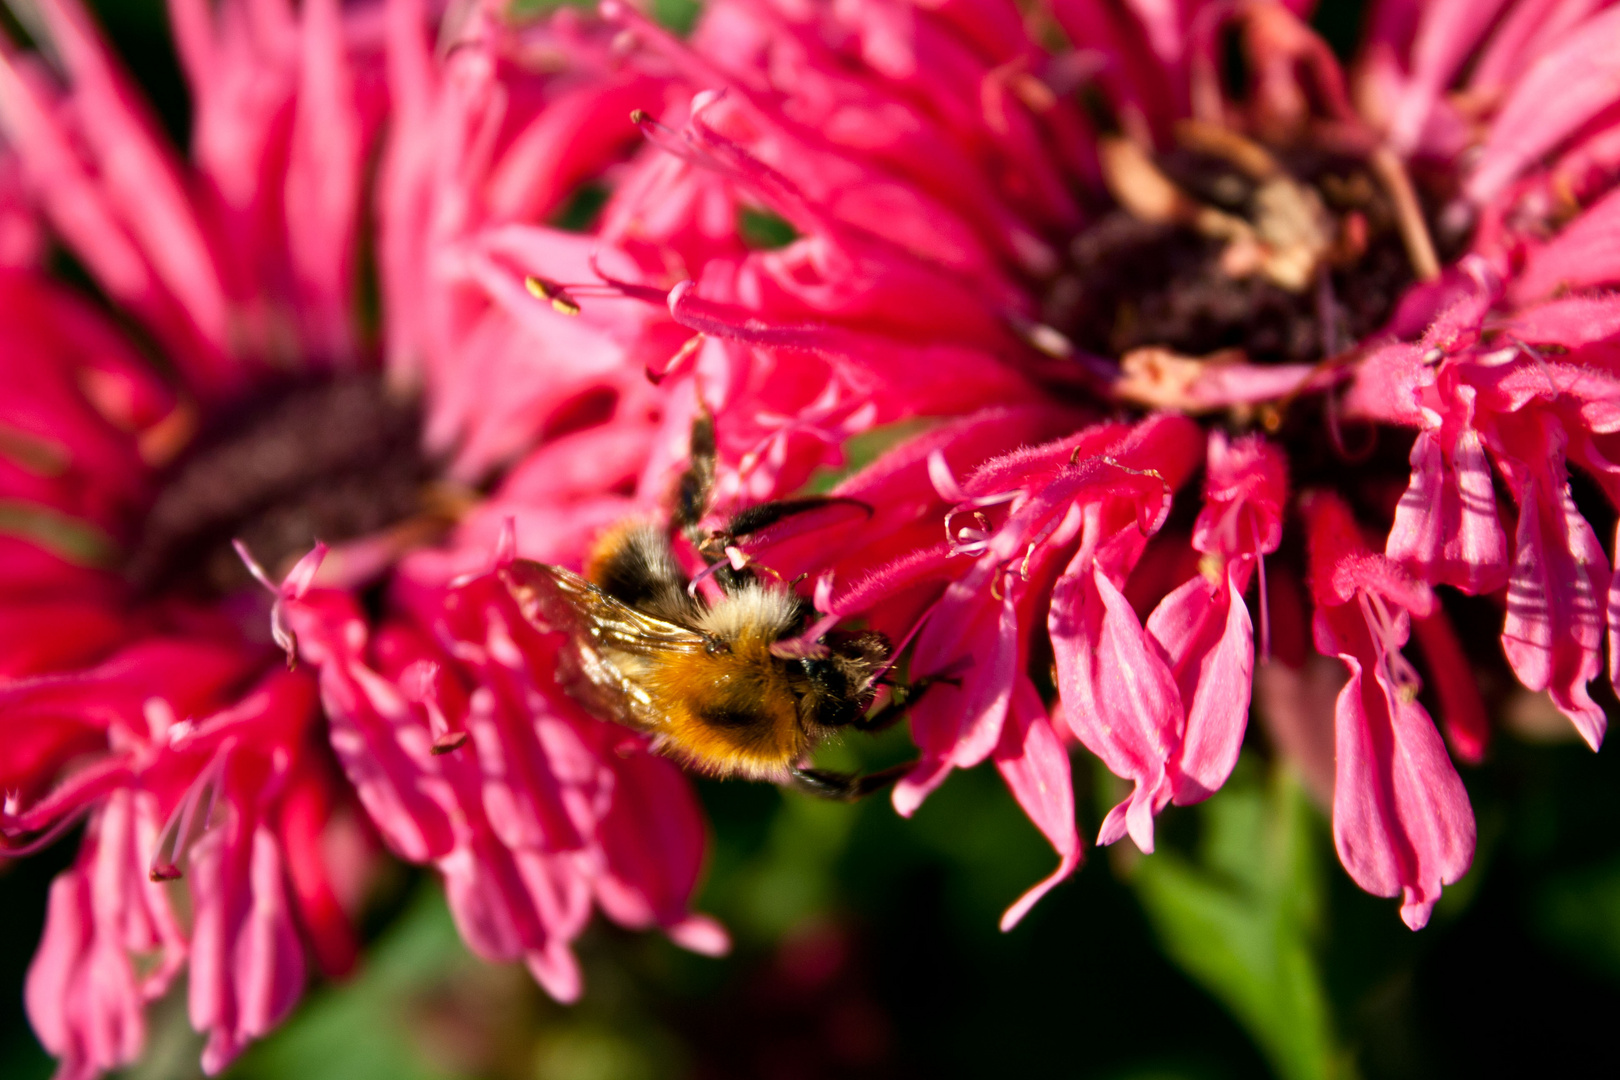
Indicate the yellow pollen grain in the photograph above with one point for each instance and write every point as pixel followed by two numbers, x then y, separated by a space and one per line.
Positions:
pixel 542 289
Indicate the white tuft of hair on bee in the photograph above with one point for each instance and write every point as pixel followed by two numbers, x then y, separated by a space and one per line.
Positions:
pixel 768 611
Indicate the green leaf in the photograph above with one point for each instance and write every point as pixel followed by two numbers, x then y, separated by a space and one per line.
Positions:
pixel 678 15
pixel 1578 912
pixel 763 230
pixel 71 538
pixel 794 879
pixel 363 1029
pixel 1242 920
pixel 580 211
pixel 35 453
pixel 863 449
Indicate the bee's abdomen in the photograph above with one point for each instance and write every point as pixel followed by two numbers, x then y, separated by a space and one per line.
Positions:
pixel 731 715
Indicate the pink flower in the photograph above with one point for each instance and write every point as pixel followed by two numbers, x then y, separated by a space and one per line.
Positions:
pixel 214 798
pixel 1202 629
pixel 949 196
pixel 1496 401
pixel 1118 694
pixel 1401 819
pixel 143 673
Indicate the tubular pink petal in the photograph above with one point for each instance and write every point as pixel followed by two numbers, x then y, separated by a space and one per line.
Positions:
pixel 1035 765
pixel 1525 32
pixel 557 972
pixel 963 724
pixel 653 842
pixel 1120 699
pixel 384 746
pixel 571 140
pixel 1571 321
pixel 1446 526
pixel 83 995
pixel 321 198
pixel 700 934
pixel 1462 710
pixel 1205 633
pixel 142 184
pixel 1580 256
pixel 1401 820
pixel 1447 31
pixel 269 958
pixel 78 209
pixel 1553 633
pixel 919 783
pixel 1577 76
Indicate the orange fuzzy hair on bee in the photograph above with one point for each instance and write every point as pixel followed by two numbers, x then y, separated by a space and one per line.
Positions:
pixel 731 708
pixel 730 714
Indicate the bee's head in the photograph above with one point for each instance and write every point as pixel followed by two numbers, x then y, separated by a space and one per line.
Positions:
pixel 836 685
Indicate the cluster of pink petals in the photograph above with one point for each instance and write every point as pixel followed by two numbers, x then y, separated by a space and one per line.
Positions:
pixel 836 118
pixel 255 875
pixel 160 721
pixel 202 763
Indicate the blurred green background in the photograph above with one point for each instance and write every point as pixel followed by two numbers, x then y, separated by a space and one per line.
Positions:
pixel 866 946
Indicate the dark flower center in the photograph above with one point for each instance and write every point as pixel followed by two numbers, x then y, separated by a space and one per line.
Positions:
pixel 1287 254
pixel 329 460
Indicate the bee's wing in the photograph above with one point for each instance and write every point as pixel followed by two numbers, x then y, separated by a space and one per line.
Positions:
pixel 607 640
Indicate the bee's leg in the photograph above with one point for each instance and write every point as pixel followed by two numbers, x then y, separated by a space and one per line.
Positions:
pixel 696 485
pixel 901 699
pixel 845 787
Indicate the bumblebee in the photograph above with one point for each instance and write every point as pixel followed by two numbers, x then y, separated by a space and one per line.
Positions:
pixel 729 687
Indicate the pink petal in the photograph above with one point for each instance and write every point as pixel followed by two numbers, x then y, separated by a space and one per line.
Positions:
pixel 1564 88
pixel 700 934
pixel 1401 820
pixel 653 841
pixel 1570 321
pixel 1035 764
pixel 909 793
pixel 1580 256
pixel 322 193
pixel 1525 32
pixel 1119 697
pixel 1448 31
pixel 383 744
pixel 576 136
pixel 1553 633
pixel 1205 633
pixel 269 956
pixel 1446 526
pixel 1462 709
pixel 141 181
pixel 1244 492
pixel 557 972
pixel 247 962
pixel 317 874
pixel 78 208
pixel 963 724
pixel 83 995
pixel 1296 706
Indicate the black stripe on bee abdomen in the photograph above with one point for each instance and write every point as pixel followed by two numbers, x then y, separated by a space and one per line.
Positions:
pixel 730 714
